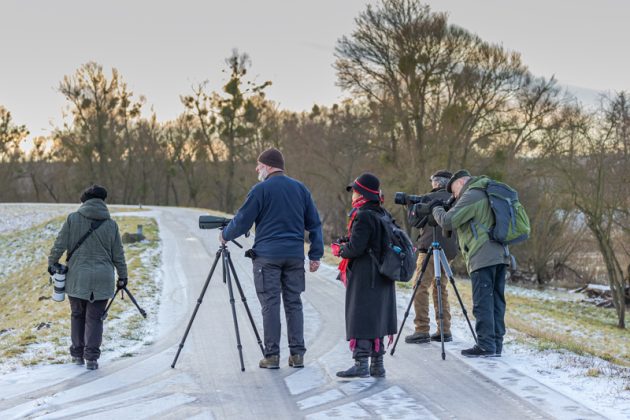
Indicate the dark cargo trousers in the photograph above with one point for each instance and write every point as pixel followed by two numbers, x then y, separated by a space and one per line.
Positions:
pixel 86 327
pixel 276 278
pixel 488 285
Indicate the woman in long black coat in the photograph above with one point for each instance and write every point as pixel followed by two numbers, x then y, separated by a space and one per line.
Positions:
pixel 370 297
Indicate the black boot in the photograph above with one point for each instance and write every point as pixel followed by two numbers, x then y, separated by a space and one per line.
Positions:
pixel 359 370
pixel 377 370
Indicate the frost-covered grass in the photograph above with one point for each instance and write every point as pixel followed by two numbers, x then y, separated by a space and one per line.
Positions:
pixel 556 319
pixel 34 329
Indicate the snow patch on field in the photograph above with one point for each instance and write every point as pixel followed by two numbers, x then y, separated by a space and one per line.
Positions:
pixel 19 216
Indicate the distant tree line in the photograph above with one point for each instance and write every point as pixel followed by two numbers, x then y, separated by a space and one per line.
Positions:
pixel 423 95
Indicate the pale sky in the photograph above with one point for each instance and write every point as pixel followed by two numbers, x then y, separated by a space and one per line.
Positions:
pixel 162 48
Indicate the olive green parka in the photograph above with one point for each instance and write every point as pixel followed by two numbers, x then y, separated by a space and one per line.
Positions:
pixel 91 268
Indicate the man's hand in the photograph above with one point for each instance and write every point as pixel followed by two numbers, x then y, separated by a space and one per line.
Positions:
pixel 435 203
pixel 313 266
pixel 223 241
pixel 121 283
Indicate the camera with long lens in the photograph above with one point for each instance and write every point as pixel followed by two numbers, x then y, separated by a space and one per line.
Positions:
pixel 405 199
pixel 213 222
pixel 419 208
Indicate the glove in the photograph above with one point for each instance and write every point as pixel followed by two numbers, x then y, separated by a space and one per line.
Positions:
pixel 52 269
pixel 435 203
pixel 121 283
pixel 335 247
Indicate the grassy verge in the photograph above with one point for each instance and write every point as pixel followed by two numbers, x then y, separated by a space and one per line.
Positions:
pixel 578 327
pixel 33 328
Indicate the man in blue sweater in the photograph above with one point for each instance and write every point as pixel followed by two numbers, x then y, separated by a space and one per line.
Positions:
pixel 282 209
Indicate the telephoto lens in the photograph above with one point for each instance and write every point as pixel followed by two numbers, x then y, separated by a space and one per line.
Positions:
pixel 59 283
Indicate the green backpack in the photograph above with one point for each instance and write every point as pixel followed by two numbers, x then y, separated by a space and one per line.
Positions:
pixel 511 224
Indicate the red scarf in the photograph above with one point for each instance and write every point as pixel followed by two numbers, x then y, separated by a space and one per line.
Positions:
pixel 343 265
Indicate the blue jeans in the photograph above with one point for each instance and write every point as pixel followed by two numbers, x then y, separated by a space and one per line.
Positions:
pixel 488 286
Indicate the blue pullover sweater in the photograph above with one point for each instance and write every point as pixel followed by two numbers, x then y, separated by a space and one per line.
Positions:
pixel 282 209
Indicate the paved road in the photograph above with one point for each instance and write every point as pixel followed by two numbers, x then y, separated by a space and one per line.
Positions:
pixel 207 381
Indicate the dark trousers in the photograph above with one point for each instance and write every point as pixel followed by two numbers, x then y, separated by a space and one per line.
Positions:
pixel 86 327
pixel 367 348
pixel 488 285
pixel 275 278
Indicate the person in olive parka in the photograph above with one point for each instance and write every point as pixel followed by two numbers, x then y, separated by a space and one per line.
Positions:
pixel 90 278
pixel 370 297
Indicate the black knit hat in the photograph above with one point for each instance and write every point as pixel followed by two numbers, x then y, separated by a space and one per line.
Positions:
pixel 459 174
pixel 367 185
pixel 272 157
pixel 94 191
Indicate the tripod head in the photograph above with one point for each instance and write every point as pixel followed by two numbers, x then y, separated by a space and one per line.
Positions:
pixel 216 222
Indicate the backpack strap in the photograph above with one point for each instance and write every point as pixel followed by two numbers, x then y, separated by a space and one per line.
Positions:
pixel 93 226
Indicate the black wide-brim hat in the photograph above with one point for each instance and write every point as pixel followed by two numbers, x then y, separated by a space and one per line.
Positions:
pixel 368 185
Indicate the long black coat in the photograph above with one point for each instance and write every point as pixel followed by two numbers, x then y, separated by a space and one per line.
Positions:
pixel 370 298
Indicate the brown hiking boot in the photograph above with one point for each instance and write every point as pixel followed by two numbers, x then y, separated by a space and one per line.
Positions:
pixel 418 338
pixel 270 362
pixel 296 360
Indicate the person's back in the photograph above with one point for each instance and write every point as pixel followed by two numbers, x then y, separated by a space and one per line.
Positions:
pixel 285 213
pixel 92 240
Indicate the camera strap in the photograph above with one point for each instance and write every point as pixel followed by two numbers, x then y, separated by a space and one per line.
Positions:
pixel 93 226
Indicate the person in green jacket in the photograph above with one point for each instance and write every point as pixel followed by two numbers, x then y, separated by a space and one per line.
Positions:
pixel 486 260
pixel 90 278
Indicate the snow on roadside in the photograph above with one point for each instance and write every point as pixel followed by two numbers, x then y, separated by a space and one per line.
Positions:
pixel 606 392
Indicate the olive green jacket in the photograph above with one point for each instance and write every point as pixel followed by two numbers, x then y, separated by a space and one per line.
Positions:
pixel 471 217
pixel 91 268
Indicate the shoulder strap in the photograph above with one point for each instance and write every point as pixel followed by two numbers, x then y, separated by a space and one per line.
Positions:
pixel 93 226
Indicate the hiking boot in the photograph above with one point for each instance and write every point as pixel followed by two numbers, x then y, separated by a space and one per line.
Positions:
pixel 418 338
pixel 476 351
pixel 359 370
pixel 296 360
pixel 91 364
pixel 447 337
pixel 377 370
pixel 78 360
pixel 270 362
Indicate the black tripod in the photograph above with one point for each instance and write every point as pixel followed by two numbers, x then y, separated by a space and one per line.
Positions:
pixel 228 271
pixel 122 296
pixel 439 261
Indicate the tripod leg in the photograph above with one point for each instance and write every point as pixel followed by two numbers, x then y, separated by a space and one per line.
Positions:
pixel 449 273
pixel 135 302
pixel 199 300
pixel 438 284
pixel 244 300
pixel 104 315
pixel 226 274
pixel 413 295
